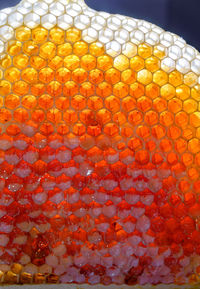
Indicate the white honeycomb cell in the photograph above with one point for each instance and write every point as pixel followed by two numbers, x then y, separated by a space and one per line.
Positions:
pixel 113 48
pixel 106 35
pixel 81 22
pixel 90 35
pixel 24 7
pixel 65 21
pixel 15 20
pixel 32 20
pixel 6 33
pixel 57 9
pixel 48 21
pixel 3 18
pixel 40 8
pixel 168 64
pixel 98 22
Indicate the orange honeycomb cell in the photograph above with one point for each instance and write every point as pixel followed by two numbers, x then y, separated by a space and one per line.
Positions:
pixel 56 62
pixel 39 34
pixel 48 50
pixel 96 49
pixel 71 62
pixel 30 75
pixel 87 89
pixel 183 92
pixel 137 90
pixel 112 76
pixel 104 62
pixel 88 62
pixel 29 101
pixel 54 88
pixel 144 104
pixel 5 115
pixel 30 48
pixel 5 87
pixel 12 74
pixel 137 63
pixel 46 75
pixel 12 101
pixel 21 61
pixel 160 77
pixel 14 47
pixel 78 102
pixel 62 103
pixel 80 48
pixel 144 50
pixel 128 76
pixel 54 115
pixel 70 116
pixel 95 103
pixel 175 105
pixel 45 101
pixel 64 49
pixel 104 89
pixel 62 75
pixel 73 35
pixel 120 89
pixel 21 115
pixel 57 35
pixel 23 33
pixel 79 75
pixel 37 62
pixel 128 103
pixel 70 88
pixel 112 103
pixel 96 76
pixel 167 91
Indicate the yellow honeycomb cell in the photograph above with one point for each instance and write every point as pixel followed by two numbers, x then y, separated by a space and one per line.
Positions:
pixel 160 77
pixel 57 35
pixel 121 63
pixel 137 63
pixel 48 50
pixel 39 34
pixel 14 47
pixel 145 50
pixel 23 33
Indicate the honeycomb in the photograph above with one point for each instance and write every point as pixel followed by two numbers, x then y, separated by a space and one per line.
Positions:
pixel 99 148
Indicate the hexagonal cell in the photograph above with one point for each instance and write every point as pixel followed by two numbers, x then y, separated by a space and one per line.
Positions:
pixel 175 78
pixel 190 79
pixel 144 103
pixel 175 105
pixel 113 48
pixel 15 20
pixel 152 90
pixel 144 50
pixel 168 64
pixel 183 92
pixel 160 77
pixel 32 20
pixel 166 118
pixel 167 91
pixel 129 49
pixel 137 63
pixel 112 76
pixel 144 76
pixel 190 106
pixel 121 62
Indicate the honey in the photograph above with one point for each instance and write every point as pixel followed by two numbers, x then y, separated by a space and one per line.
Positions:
pixel 99 149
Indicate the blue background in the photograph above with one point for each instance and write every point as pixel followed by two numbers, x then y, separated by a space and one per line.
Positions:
pixel 178 16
